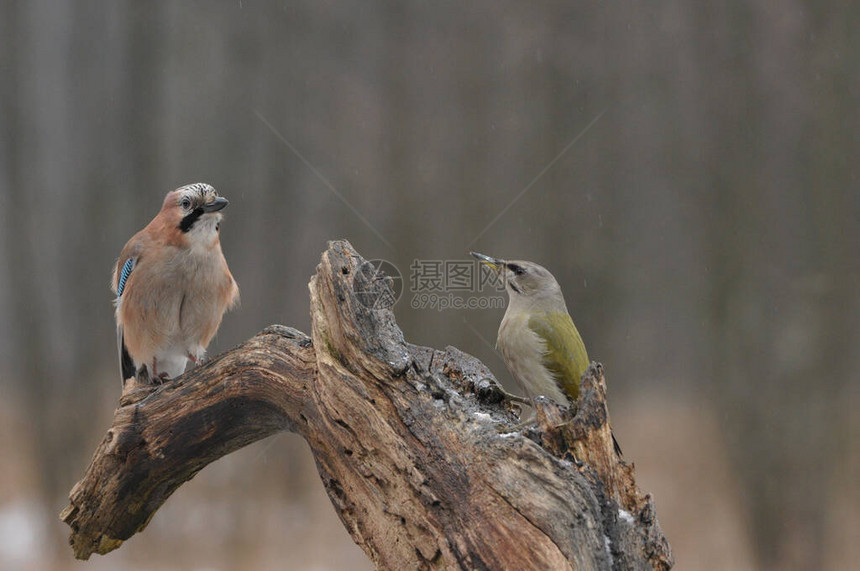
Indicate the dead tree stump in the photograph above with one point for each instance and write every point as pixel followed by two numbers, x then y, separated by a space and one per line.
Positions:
pixel 406 440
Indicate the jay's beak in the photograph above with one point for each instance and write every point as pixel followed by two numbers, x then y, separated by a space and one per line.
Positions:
pixel 215 205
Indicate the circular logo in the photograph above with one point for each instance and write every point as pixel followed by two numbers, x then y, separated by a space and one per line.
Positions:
pixel 378 284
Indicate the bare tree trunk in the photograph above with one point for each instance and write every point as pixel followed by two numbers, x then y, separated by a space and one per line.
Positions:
pixel 406 441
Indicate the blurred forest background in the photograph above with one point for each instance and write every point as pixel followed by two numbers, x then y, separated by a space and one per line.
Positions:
pixel 688 171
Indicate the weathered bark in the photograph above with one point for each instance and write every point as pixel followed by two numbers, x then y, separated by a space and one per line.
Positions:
pixel 406 441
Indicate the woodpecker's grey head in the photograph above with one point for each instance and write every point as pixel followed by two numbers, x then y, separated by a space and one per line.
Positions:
pixel 525 281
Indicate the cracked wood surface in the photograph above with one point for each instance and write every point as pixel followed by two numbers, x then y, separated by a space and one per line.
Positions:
pixel 405 439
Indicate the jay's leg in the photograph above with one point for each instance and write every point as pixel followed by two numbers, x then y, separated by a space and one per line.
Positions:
pixel 157 378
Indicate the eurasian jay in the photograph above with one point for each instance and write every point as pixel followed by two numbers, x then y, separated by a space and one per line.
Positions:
pixel 172 286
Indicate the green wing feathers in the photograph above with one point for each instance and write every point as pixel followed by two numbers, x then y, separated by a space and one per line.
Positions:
pixel 565 355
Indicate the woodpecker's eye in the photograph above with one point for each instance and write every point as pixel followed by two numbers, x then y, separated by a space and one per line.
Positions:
pixel 185 203
pixel 518 270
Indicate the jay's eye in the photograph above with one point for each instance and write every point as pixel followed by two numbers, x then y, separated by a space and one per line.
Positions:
pixel 185 203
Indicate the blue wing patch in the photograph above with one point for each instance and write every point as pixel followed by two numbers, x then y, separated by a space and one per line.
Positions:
pixel 123 276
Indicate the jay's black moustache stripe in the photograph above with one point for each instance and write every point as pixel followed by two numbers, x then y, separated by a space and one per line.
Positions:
pixel 190 218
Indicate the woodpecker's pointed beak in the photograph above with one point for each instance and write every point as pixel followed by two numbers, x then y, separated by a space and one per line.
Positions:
pixel 495 263
pixel 215 205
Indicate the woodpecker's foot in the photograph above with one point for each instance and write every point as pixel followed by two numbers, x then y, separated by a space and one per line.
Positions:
pixel 516 398
pixel 504 429
pixel 160 379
